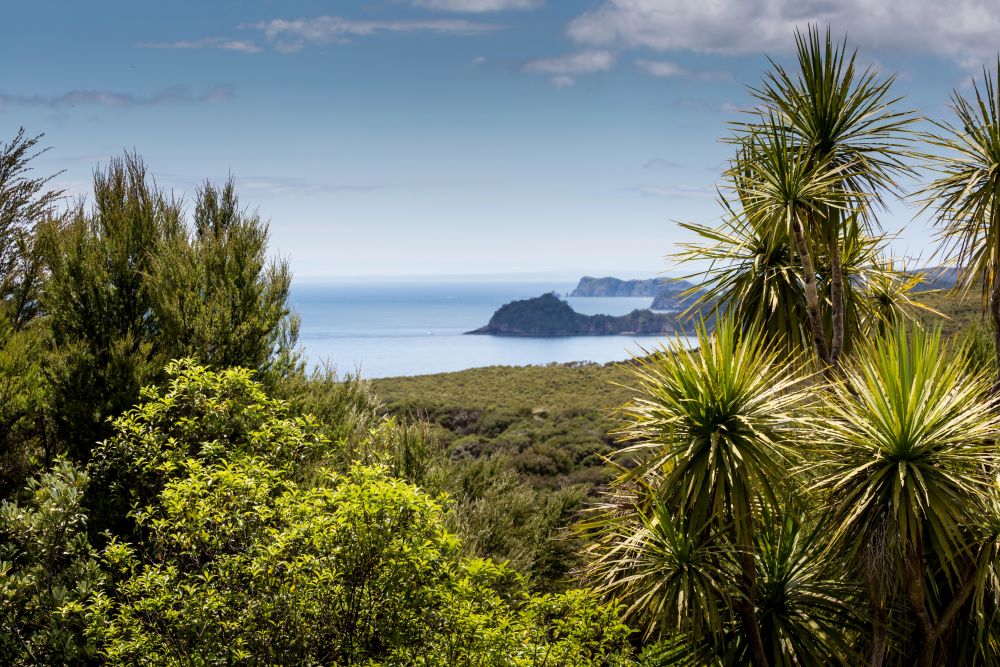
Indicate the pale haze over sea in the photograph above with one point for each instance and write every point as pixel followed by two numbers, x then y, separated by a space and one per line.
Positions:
pixel 392 328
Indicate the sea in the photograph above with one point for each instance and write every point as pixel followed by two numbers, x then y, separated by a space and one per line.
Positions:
pixel 398 328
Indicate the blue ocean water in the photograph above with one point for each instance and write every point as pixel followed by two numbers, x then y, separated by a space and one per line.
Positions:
pixel 387 329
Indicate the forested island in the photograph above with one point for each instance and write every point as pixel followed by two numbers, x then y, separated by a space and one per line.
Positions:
pixel 548 315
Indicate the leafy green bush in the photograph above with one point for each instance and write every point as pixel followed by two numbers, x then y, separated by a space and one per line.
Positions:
pixel 209 416
pixel 250 546
pixel 49 574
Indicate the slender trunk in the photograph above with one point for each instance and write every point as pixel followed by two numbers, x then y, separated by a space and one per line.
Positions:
pixel 995 313
pixel 929 633
pixel 836 299
pixel 878 606
pixel 748 612
pixel 812 296
pixel 748 618
pixel 913 571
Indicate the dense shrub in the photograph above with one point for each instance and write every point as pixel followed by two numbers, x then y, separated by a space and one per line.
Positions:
pixel 49 573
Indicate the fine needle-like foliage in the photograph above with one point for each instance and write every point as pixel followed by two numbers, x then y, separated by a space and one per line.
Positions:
pixel 964 197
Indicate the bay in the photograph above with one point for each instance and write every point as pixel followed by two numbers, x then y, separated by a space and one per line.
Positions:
pixel 396 328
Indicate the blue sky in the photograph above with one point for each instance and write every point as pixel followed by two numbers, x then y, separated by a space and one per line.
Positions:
pixel 414 137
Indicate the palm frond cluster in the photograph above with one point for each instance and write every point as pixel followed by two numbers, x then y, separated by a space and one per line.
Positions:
pixel 818 481
pixel 772 517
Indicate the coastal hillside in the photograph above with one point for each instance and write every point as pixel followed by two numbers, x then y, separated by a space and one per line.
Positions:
pixel 669 296
pixel 666 293
pixel 555 422
pixel 548 315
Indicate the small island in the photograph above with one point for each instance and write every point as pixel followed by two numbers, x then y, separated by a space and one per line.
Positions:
pixel 548 316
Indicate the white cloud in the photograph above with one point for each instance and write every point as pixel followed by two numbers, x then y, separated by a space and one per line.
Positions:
pixel 664 68
pixel 289 36
pixel 963 30
pixel 563 70
pixel 583 62
pixel 111 98
pixel 240 45
pixel 478 6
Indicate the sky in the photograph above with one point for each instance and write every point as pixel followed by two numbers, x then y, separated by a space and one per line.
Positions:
pixel 483 138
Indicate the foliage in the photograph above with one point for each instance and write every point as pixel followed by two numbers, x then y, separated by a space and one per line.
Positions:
pixel 244 565
pixel 213 292
pixel 553 421
pixel 250 551
pixel 130 287
pixel 211 416
pixel 823 147
pixel 907 461
pixel 701 536
pixel 527 445
pixel 49 574
pixel 963 197
pixel 26 203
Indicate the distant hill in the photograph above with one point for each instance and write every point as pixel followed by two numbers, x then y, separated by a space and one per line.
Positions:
pixel 609 286
pixel 668 297
pixel 548 315
pixel 665 292
pixel 938 277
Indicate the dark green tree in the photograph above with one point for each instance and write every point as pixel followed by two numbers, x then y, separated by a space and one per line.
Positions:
pixel 215 295
pixel 97 303
pixel 132 286
pixel 26 201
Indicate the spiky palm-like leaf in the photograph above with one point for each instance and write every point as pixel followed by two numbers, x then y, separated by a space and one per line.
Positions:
pixel 717 421
pixel 826 146
pixel 755 277
pixel 781 184
pixel 903 454
pixel 964 198
pixel 842 115
pixel 888 297
pixel 805 605
pixel 672 578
